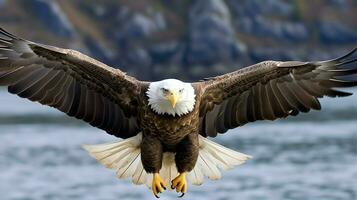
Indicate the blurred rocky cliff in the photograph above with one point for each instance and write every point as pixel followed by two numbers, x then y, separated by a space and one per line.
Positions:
pixel 187 39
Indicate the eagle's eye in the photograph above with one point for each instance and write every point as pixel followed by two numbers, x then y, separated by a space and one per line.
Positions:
pixel 164 90
pixel 180 91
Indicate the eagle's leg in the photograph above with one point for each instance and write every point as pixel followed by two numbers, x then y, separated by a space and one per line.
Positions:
pixel 151 158
pixel 186 156
pixel 158 185
pixel 180 183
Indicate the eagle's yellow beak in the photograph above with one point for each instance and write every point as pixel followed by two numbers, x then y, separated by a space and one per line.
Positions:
pixel 172 97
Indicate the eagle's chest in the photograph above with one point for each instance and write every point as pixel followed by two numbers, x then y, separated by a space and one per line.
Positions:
pixel 169 128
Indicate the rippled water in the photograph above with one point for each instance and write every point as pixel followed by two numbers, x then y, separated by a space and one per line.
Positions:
pixel 312 156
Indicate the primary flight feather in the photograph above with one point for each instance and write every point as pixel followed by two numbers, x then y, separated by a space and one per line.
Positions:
pixel 165 124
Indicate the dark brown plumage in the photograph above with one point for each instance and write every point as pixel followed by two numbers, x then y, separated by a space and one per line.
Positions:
pixel 71 82
pixel 109 99
pixel 270 90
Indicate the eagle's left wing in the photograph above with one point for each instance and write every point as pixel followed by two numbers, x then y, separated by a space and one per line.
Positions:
pixel 270 90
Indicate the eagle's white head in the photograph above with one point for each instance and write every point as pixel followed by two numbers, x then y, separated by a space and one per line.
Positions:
pixel 171 96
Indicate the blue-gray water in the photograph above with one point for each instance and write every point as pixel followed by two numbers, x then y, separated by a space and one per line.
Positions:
pixel 313 156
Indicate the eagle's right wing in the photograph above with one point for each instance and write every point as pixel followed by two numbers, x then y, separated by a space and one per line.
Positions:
pixel 72 82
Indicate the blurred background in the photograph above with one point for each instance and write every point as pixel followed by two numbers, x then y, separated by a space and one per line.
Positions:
pixel 187 39
pixel 312 156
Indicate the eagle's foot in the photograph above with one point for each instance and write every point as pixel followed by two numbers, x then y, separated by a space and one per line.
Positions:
pixel 158 185
pixel 180 183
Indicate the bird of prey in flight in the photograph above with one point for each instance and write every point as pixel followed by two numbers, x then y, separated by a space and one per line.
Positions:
pixel 165 125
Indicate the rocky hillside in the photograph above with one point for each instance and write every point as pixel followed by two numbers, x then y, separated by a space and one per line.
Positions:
pixel 187 39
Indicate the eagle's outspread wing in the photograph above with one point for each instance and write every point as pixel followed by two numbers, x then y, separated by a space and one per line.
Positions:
pixel 73 83
pixel 270 90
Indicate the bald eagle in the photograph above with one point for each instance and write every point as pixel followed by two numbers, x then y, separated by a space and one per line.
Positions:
pixel 165 124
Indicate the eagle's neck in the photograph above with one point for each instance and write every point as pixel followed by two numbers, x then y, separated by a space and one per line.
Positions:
pixel 160 105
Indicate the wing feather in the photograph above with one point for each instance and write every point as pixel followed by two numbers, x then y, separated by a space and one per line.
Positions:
pixel 33 91
pixel 267 104
pixel 276 101
pixel 242 110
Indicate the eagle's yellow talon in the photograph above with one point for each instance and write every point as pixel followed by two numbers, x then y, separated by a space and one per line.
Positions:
pixel 158 185
pixel 180 183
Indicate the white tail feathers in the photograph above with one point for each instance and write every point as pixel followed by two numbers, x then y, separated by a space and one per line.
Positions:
pixel 125 158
